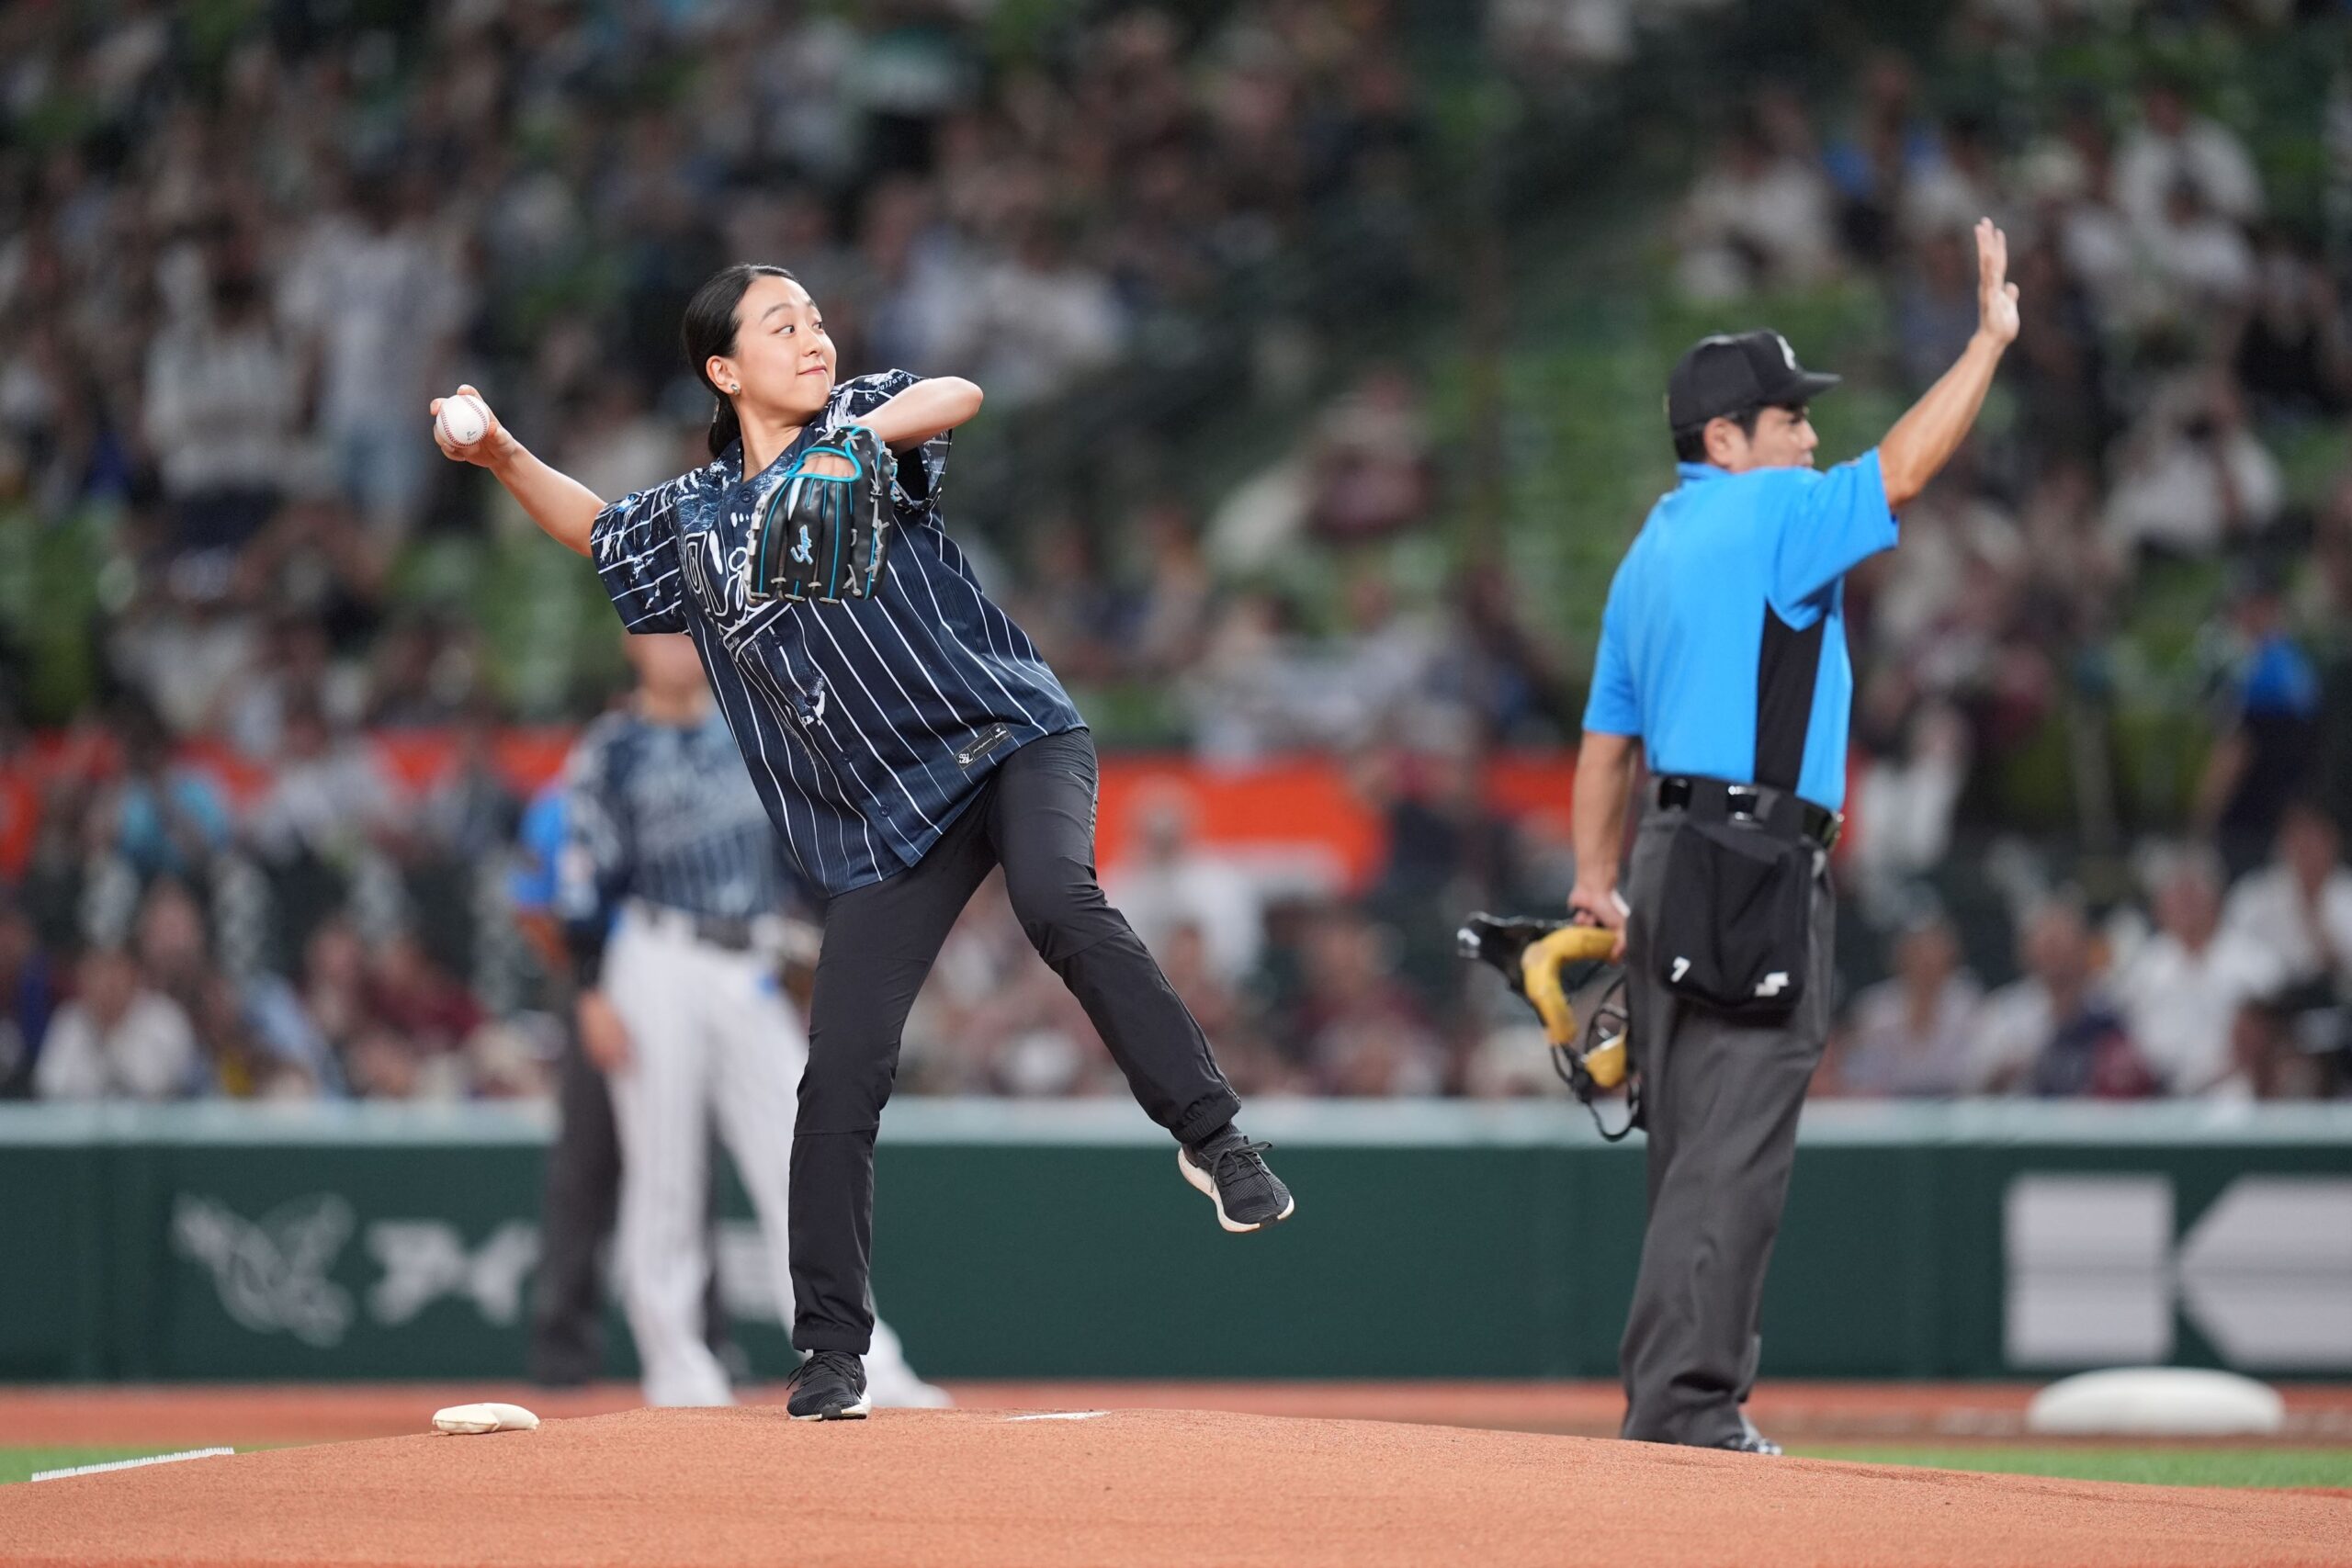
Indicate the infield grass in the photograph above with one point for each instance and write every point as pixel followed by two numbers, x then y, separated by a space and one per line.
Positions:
pixel 2163 1467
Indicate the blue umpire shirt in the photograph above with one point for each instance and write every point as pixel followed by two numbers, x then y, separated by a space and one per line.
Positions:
pixel 868 725
pixel 1724 644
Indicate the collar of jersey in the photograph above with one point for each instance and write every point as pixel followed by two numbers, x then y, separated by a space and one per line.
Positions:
pixel 728 467
pixel 1693 472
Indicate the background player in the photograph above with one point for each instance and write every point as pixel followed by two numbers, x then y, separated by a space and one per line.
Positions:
pixel 580 1201
pixel 905 745
pixel 668 851
pixel 1723 660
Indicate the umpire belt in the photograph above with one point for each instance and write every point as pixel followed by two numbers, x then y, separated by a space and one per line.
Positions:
pixel 1776 811
pixel 761 933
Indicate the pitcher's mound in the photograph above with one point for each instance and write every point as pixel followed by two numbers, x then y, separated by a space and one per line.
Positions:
pixel 980 1489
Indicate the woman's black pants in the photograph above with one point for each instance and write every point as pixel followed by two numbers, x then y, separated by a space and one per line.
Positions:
pixel 1035 817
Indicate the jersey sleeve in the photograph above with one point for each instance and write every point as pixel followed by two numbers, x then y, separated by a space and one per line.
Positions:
pixel 1831 522
pixel 634 544
pixel 1614 707
pixel 921 470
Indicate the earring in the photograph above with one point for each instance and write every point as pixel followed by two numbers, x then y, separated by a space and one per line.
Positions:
pixel 734 388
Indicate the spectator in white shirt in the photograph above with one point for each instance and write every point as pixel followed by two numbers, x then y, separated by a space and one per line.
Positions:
pixel 1914 1033
pixel 330 800
pixel 1910 790
pixel 2182 991
pixel 1755 219
pixel 2204 258
pixel 1168 882
pixel 382 298
pixel 2055 1031
pixel 118 1040
pixel 2192 475
pixel 1947 193
pixel 1037 318
pixel 223 405
pixel 2297 910
pixel 2171 145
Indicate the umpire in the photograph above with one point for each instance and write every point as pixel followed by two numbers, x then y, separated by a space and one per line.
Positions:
pixel 1723 664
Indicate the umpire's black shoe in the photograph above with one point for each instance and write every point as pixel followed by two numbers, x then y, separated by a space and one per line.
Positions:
pixel 829 1386
pixel 1232 1171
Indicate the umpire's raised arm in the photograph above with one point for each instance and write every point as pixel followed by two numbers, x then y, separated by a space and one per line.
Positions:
pixel 1924 439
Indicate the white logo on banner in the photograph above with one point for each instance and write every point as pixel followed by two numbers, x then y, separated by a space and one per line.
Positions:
pixel 272 1273
pixel 2094 1273
pixel 426 1259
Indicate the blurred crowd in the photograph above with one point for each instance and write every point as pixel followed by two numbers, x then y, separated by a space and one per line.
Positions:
pixel 2205 988
pixel 243 249
pixel 237 257
pixel 338 930
pixel 2178 335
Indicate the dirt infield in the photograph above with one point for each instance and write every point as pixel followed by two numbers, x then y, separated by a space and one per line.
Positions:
pixel 980 1489
pixel 196 1415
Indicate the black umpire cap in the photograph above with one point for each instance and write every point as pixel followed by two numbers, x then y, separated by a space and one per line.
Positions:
pixel 1725 376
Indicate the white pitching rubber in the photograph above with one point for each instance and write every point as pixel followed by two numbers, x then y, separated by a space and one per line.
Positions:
pixel 470 1419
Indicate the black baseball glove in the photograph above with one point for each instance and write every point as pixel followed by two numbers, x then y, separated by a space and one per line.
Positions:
pixel 821 532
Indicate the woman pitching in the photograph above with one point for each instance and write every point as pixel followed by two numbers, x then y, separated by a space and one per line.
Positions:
pixel 906 739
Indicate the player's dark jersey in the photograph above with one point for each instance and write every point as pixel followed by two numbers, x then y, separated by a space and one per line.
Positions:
pixel 869 723
pixel 665 813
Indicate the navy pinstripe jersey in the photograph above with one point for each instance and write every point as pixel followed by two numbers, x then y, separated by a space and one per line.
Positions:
pixel 868 724
pixel 665 813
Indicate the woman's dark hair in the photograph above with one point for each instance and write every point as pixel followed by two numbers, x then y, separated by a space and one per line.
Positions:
pixel 709 329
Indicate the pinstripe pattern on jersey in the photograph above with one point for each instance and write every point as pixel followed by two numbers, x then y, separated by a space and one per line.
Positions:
pixel 858 719
pixel 665 813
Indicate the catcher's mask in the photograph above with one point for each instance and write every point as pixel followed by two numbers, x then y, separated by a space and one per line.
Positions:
pixel 1551 963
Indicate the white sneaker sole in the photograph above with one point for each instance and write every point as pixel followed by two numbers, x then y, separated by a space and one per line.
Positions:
pixel 845 1413
pixel 1199 1181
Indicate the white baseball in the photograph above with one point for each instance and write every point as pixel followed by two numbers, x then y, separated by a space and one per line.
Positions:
pixel 464 419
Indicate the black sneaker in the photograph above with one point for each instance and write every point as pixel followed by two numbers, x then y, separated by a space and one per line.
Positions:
pixel 1752 1443
pixel 1232 1171
pixel 829 1386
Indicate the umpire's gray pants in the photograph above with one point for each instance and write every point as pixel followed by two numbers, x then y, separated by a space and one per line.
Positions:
pixel 1720 1100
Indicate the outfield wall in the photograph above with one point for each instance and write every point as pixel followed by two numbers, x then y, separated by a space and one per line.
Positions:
pixel 222 1241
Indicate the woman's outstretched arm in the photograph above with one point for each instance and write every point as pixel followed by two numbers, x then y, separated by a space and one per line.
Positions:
pixel 564 509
